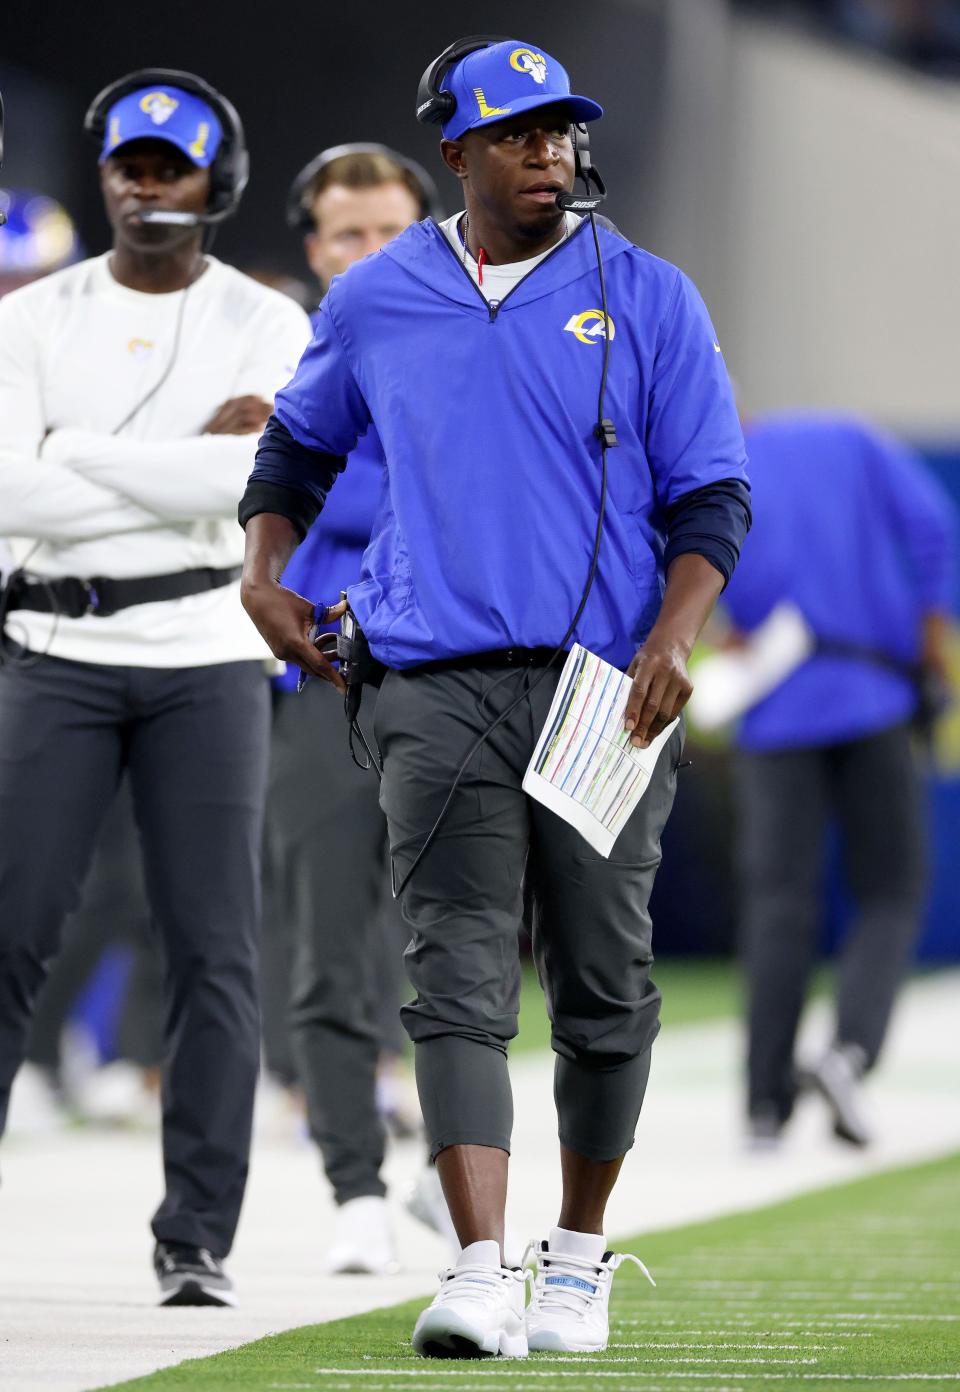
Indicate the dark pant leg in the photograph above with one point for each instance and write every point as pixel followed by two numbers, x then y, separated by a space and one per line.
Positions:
pixel 782 817
pixel 877 798
pixel 198 764
pixel 593 949
pixel 61 746
pixel 112 910
pixel 326 823
pixel 463 905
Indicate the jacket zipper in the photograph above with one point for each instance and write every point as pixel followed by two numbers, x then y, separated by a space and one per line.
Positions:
pixel 493 307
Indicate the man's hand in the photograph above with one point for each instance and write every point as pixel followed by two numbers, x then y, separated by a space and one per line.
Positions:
pixel 285 620
pixel 241 415
pixel 661 688
pixel 661 682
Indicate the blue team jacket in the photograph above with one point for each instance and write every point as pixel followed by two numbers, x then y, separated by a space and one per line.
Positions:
pixel 487 509
pixel 850 527
pixel 328 559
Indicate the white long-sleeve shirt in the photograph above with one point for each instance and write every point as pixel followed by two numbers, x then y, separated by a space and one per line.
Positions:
pixel 77 352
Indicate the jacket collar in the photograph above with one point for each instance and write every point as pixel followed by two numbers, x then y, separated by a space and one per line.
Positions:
pixel 424 252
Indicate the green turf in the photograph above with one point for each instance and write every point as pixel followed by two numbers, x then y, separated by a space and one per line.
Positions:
pixel 853 1286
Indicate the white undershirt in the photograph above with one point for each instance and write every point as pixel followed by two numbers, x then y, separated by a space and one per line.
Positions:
pixel 77 352
pixel 498 281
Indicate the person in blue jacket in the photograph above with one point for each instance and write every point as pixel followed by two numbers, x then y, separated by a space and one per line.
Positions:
pixel 327 855
pixel 851 530
pixel 476 347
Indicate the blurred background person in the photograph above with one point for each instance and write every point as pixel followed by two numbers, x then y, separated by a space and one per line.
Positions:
pixel 331 925
pixel 854 537
pixel 131 386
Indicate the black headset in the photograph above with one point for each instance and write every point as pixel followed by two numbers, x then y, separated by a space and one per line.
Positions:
pixel 435 106
pixel 300 215
pixel 230 169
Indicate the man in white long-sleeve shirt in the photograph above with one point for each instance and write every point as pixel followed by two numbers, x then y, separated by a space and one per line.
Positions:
pixel 131 387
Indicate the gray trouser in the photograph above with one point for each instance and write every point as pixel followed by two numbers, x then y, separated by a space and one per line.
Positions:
pixel 786 802
pixel 194 742
pixel 113 912
pixel 592 942
pixel 328 888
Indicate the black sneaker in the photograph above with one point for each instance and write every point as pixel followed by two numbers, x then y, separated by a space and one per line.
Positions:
pixel 191 1276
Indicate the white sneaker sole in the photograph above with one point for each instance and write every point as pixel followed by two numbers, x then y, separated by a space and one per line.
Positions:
pixel 442 1333
pixel 552 1341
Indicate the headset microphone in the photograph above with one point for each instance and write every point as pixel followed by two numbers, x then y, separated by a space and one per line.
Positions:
pixel 583 202
pixel 169 217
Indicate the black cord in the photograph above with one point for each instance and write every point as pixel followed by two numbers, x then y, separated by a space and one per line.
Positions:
pixel 605 432
pixel 164 376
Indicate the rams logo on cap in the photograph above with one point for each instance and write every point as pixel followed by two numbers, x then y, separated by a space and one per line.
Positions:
pixel 588 326
pixel 158 106
pixel 533 64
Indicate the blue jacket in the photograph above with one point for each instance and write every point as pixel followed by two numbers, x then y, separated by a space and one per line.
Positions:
pixel 328 559
pixel 487 512
pixel 850 527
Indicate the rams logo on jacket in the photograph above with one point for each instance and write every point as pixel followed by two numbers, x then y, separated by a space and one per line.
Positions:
pixel 588 326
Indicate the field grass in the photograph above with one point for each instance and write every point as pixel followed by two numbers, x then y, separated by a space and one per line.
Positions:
pixel 856 1285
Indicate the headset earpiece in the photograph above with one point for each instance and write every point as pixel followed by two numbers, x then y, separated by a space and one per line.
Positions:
pixel 433 106
pixel 300 217
pixel 230 170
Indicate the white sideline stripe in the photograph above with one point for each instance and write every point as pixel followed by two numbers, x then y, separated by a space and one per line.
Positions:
pixel 727 1331
pixel 847 1317
pixel 763 1348
pixel 527 1372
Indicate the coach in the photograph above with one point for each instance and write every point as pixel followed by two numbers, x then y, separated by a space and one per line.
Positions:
pixel 475 347
pixel 129 388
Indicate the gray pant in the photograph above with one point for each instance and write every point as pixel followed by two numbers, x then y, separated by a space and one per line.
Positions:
pixel 329 890
pixel 786 802
pixel 592 941
pixel 194 742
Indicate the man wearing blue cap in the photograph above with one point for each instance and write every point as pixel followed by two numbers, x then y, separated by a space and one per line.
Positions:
pixel 130 386
pixel 478 348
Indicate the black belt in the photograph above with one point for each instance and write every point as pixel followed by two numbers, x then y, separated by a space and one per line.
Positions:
pixel 72 597
pixel 497 657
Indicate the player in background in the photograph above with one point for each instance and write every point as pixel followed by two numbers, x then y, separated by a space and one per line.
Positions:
pixel 132 387
pixel 851 530
pixel 345 927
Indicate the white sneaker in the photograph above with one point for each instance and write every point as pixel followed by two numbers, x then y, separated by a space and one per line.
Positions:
pixel 478 1310
pixel 362 1239
pixel 837 1077
pixel 568 1311
pixel 424 1201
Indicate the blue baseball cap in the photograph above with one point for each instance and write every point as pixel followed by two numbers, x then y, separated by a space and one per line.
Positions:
pixel 165 113
pixel 504 80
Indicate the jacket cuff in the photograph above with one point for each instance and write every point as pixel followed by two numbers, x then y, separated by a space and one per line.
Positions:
pixel 299 508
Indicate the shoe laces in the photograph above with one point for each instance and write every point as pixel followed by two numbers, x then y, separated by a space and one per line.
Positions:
pixel 573 1284
pixel 481 1285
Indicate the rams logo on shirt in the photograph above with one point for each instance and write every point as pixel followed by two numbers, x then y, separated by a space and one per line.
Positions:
pixel 533 64
pixel 158 106
pixel 588 326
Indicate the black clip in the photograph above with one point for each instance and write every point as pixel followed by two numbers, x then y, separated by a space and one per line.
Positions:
pixel 606 433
